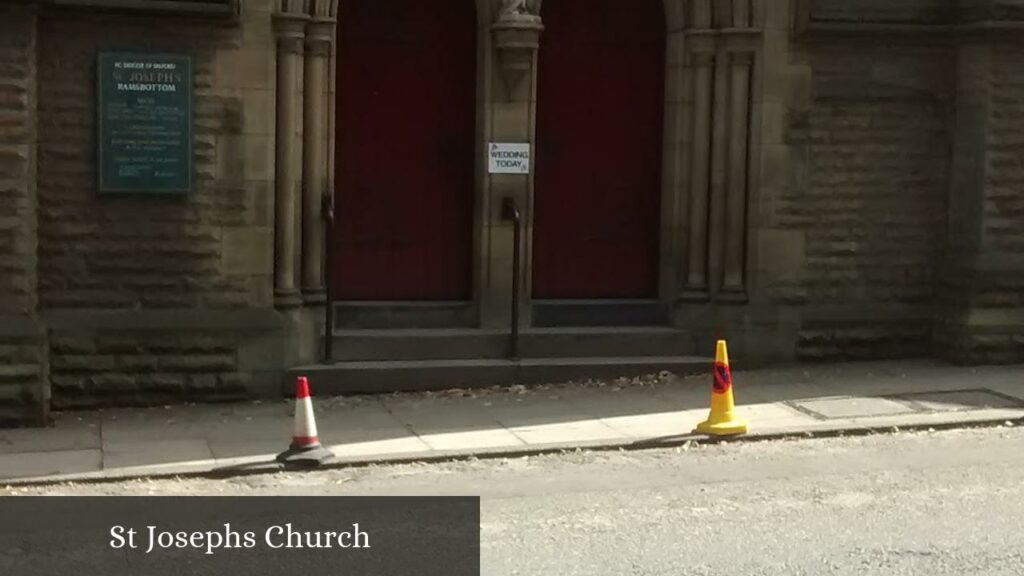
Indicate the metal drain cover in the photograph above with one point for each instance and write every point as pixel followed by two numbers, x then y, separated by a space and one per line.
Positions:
pixel 836 408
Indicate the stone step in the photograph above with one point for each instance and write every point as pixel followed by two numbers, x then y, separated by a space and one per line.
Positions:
pixel 467 344
pixel 414 344
pixel 596 313
pixel 424 375
pixel 409 315
pixel 596 342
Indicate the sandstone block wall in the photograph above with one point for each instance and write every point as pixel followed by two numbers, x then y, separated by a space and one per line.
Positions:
pixel 126 368
pixel 23 365
pixel 24 372
pixel 141 258
pixel 208 249
pixel 893 179
pixel 892 11
pixel 17 160
pixel 870 195
pixel 982 295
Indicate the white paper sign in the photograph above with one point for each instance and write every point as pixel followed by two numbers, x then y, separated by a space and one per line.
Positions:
pixel 509 158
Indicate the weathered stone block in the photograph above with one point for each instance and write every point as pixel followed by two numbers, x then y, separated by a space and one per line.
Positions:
pixel 167 383
pixel 237 381
pixel 19 374
pixel 244 69
pixel 139 363
pixel 119 345
pixel 82 363
pixel 781 255
pixel 113 383
pixel 71 386
pixel 198 363
pixel 72 344
pixel 202 382
pixel 208 344
pixel 15 396
pixel 247 250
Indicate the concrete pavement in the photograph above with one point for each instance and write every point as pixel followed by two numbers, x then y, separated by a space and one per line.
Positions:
pixel 626 413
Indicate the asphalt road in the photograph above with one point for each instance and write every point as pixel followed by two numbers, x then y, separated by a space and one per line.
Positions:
pixel 931 504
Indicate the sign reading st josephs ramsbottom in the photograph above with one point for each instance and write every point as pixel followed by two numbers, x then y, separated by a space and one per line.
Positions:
pixel 144 123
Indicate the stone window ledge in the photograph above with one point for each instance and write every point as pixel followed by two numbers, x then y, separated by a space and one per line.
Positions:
pixel 228 9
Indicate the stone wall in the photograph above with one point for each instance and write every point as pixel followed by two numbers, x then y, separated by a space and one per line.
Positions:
pixel 24 378
pixel 123 368
pixel 983 287
pixel 154 299
pixel 211 248
pixel 867 194
pixel 1003 207
pixel 890 11
pixel 17 160
pixel 23 383
pixel 893 193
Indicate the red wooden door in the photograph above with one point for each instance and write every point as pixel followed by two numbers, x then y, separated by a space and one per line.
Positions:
pixel 406 78
pixel 599 145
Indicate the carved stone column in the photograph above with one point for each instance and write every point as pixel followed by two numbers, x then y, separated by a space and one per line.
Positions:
pixel 517 38
pixel 289 26
pixel 719 172
pixel 319 36
pixel 736 201
pixel 722 39
pixel 697 276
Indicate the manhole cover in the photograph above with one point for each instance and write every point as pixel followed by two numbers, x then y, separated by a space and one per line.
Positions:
pixel 961 400
pixel 835 408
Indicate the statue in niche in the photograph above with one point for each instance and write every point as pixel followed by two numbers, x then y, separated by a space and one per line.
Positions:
pixel 520 10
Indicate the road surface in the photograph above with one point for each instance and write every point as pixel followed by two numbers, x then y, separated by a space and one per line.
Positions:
pixel 930 504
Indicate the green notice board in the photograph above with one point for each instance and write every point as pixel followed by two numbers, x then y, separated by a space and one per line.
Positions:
pixel 144 123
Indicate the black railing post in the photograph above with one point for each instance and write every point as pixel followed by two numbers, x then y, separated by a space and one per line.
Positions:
pixel 510 212
pixel 328 214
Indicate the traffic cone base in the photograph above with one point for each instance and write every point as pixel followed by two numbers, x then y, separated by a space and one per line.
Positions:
pixel 305 450
pixel 305 456
pixel 730 428
pixel 723 420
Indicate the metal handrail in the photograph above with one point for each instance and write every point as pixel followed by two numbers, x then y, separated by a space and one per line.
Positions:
pixel 510 212
pixel 327 207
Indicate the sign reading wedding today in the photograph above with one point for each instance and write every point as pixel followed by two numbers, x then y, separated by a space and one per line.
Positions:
pixel 508 158
pixel 144 122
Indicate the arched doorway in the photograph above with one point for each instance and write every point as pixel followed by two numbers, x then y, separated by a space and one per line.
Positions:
pixel 406 112
pixel 599 147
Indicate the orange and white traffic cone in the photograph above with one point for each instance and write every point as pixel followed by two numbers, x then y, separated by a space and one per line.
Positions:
pixel 306 450
pixel 723 420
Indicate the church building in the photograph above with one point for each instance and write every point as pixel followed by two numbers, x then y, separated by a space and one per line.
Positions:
pixel 201 198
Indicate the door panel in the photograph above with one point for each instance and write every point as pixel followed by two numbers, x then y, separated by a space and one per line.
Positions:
pixel 599 147
pixel 406 113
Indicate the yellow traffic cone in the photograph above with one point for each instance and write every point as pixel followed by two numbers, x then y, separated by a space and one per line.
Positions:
pixel 723 420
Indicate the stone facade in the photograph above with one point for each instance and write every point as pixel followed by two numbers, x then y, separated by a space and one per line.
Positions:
pixel 841 179
pixel 23 363
pixel 128 299
pixel 882 175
